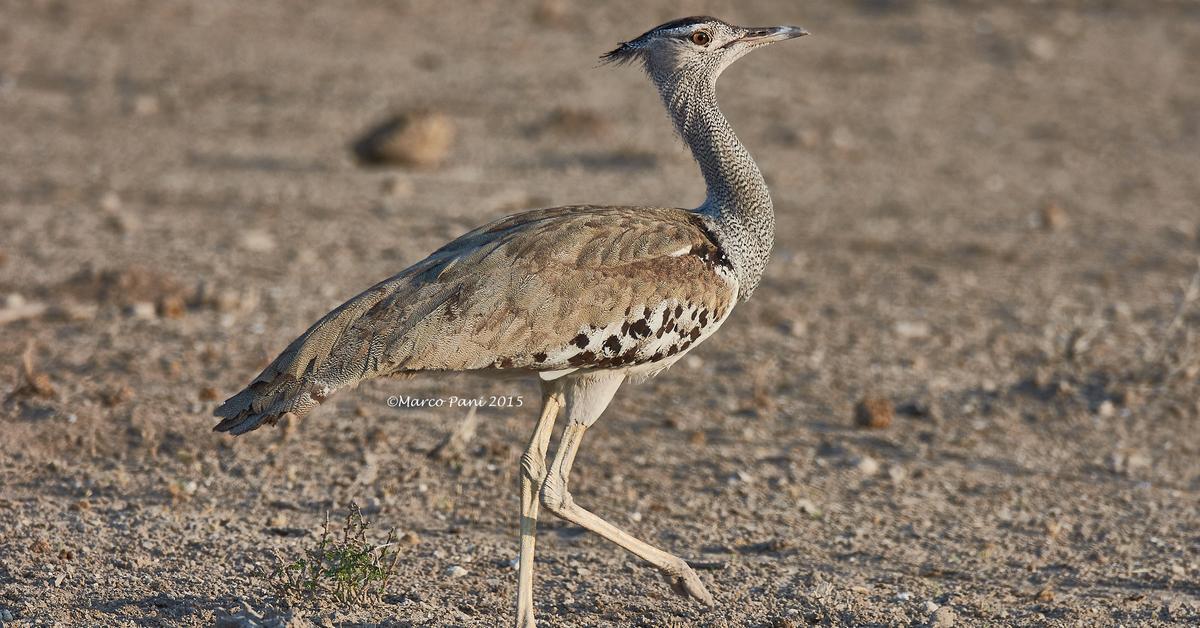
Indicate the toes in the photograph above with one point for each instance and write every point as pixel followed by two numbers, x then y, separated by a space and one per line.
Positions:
pixel 688 584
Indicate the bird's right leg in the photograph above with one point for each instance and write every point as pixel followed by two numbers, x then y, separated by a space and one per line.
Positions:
pixel 558 500
pixel 533 473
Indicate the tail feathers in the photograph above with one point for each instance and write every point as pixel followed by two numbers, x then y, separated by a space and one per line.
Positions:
pixel 332 354
pixel 265 402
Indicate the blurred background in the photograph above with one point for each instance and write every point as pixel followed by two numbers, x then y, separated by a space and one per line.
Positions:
pixel 967 390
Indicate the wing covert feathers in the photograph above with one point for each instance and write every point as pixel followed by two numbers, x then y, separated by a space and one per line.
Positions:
pixel 546 290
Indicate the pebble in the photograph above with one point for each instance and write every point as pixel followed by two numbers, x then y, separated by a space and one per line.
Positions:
pixel 867 465
pixel 258 241
pixel 110 202
pixel 807 507
pixel 1042 47
pixel 146 105
pixel 172 306
pixel 741 477
pixel 943 617
pixel 1052 217
pixel 417 138
pixel 456 571
pixel 912 329
pixel 874 412
pixel 144 310
pixel 571 122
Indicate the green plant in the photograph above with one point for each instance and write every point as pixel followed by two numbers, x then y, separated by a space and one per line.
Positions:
pixel 348 571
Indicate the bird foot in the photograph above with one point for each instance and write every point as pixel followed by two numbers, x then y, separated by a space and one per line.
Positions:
pixel 525 620
pixel 686 583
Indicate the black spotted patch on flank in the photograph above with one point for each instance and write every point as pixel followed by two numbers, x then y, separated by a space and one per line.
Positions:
pixel 580 341
pixel 612 344
pixel 587 358
pixel 640 329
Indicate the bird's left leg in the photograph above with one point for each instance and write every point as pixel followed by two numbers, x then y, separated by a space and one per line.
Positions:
pixel 533 472
pixel 557 499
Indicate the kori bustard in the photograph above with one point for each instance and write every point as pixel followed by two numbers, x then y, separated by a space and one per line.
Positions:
pixel 583 297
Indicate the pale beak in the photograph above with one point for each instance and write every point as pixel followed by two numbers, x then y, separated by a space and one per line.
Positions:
pixel 770 35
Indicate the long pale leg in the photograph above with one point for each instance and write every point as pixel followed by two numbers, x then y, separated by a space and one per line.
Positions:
pixel 557 499
pixel 533 472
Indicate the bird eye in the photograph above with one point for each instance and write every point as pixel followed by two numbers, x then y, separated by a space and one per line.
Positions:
pixel 701 38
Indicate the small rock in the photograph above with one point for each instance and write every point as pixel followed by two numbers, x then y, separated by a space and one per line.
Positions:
pixel 1042 47
pixel 573 122
pixel 550 12
pixel 36 383
pixel 5 615
pixel 904 596
pixel 1106 409
pixel 874 412
pixel 418 138
pixel 807 507
pixel 110 202
pixel 172 306
pixel 931 606
pixel 208 393
pixel 144 310
pixel 912 329
pixel 867 466
pixel 258 241
pixel 116 395
pixel 16 309
pixel 410 538
pixel 943 617
pixel 1052 217
pixel 396 187
pixel 456 571
pixel 146 105
pixel 741 477
pixel 843 139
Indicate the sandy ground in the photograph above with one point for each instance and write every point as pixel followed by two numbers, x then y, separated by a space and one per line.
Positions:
pixel 988 216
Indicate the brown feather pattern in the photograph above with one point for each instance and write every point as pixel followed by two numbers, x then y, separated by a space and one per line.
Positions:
pixel 545 290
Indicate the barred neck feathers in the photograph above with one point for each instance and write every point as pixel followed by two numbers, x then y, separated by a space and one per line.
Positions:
pixel 738 201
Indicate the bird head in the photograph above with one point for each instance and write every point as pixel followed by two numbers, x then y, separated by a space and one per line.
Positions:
pixel 695 48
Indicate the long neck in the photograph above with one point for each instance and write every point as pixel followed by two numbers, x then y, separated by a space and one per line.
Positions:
pixel 737 200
